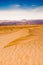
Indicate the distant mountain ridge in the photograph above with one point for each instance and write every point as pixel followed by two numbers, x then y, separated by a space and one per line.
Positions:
pixel 8 22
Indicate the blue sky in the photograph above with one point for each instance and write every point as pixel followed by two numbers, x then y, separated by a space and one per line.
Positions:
pixel 21 9
pixel 23 3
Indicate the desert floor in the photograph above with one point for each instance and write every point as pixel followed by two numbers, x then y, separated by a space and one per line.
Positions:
pixel 21 45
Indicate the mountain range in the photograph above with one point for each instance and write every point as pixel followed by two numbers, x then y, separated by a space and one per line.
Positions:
pixel 13 22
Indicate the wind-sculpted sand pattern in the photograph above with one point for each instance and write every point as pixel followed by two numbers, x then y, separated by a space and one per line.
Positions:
pixel 21 45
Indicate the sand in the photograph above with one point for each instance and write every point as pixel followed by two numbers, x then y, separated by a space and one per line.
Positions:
pixel 21 45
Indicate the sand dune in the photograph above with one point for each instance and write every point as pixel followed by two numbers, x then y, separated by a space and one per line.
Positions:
pixel 21 45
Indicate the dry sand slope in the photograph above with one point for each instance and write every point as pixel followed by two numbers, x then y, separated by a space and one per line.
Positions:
pixel 21 45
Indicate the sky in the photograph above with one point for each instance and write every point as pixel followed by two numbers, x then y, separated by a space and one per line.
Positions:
pixel 21 9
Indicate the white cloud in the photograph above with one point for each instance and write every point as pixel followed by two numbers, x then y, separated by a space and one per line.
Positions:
pixel 39 9
pixel 14 6
pixel 18 14
pixel 33 5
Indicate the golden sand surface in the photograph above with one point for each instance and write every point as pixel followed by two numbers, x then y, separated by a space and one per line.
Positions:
pixel 21 45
